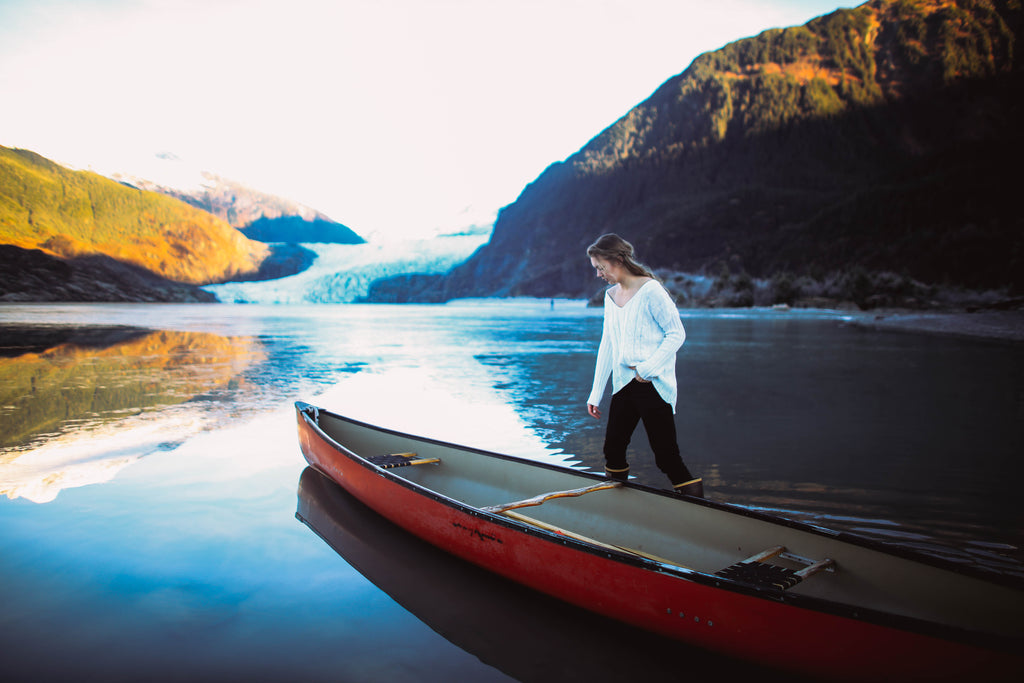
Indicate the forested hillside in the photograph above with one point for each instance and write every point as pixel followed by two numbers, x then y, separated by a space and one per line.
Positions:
pixel 47 208
pixel 871 148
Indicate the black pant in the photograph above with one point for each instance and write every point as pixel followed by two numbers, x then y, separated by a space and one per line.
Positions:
pixel 640 401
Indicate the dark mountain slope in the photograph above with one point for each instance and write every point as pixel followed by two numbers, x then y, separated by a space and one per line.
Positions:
pixel 296 229
pixel 882 138
pixel 31 275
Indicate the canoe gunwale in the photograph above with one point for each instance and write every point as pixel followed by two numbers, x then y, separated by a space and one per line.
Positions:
pixel 984 640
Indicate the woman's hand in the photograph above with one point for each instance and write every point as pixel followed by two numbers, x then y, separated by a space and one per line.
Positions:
pixel 594 411
pixel 637 375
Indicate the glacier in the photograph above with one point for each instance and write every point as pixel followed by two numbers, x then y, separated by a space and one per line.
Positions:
pixel 343 273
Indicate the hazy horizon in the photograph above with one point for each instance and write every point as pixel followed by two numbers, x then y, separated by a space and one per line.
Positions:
pixel 393 117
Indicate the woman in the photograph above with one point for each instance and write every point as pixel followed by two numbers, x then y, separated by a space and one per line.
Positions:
pixel 639 341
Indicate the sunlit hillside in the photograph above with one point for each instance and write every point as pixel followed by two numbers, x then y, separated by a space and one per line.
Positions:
pixel 69 214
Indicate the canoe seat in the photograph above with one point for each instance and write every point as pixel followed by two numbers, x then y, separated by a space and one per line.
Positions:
pixel 761 575
pixel 757 571
pixel 400 460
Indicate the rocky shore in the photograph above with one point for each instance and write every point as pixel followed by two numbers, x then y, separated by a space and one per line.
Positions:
pixel 877 300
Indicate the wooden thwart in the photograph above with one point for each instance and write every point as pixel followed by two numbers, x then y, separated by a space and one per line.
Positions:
pixel 766 555
pixel 537 500
pixel 815 568
pixel 400 460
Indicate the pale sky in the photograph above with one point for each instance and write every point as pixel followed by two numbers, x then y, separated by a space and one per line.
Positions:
pixel 390 116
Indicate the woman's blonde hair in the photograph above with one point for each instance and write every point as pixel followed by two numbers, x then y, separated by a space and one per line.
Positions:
pixel 611 247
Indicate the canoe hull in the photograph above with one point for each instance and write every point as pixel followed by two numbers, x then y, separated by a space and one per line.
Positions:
pixel 671 601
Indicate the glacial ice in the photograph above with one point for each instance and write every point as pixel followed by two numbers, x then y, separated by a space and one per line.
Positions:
pixel 342 273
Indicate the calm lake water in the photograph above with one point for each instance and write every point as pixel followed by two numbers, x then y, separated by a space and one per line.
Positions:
pixel 152 478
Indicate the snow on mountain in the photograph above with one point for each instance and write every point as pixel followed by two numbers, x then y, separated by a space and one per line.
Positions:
pixel 342 273
pixel 163 170
pixel 237 203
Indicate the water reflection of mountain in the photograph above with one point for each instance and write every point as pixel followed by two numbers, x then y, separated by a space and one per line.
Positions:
pixel 78 404
pixel 527 635
pixel 100 374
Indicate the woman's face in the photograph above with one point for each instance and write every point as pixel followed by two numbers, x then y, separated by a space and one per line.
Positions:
pixel 606 270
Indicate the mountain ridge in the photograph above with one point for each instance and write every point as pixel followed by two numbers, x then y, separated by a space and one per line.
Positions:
pixel 232 201
pixel 867 142
pixel 259 215
pixel 69 214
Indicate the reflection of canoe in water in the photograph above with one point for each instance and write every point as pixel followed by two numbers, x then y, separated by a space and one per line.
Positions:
pixel 486 615
pixel 720 577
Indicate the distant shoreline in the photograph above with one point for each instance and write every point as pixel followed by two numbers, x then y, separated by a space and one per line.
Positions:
pixel 995 325
pixel 1002 325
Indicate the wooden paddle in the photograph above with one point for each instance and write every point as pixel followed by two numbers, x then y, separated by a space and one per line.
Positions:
pixel 537 500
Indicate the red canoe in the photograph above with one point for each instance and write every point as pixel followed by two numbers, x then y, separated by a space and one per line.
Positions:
pixel 750 586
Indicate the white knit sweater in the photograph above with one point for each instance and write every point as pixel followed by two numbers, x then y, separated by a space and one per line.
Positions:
pixel 645 333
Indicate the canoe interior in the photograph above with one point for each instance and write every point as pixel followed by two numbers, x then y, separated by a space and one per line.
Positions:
pixel 696 535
